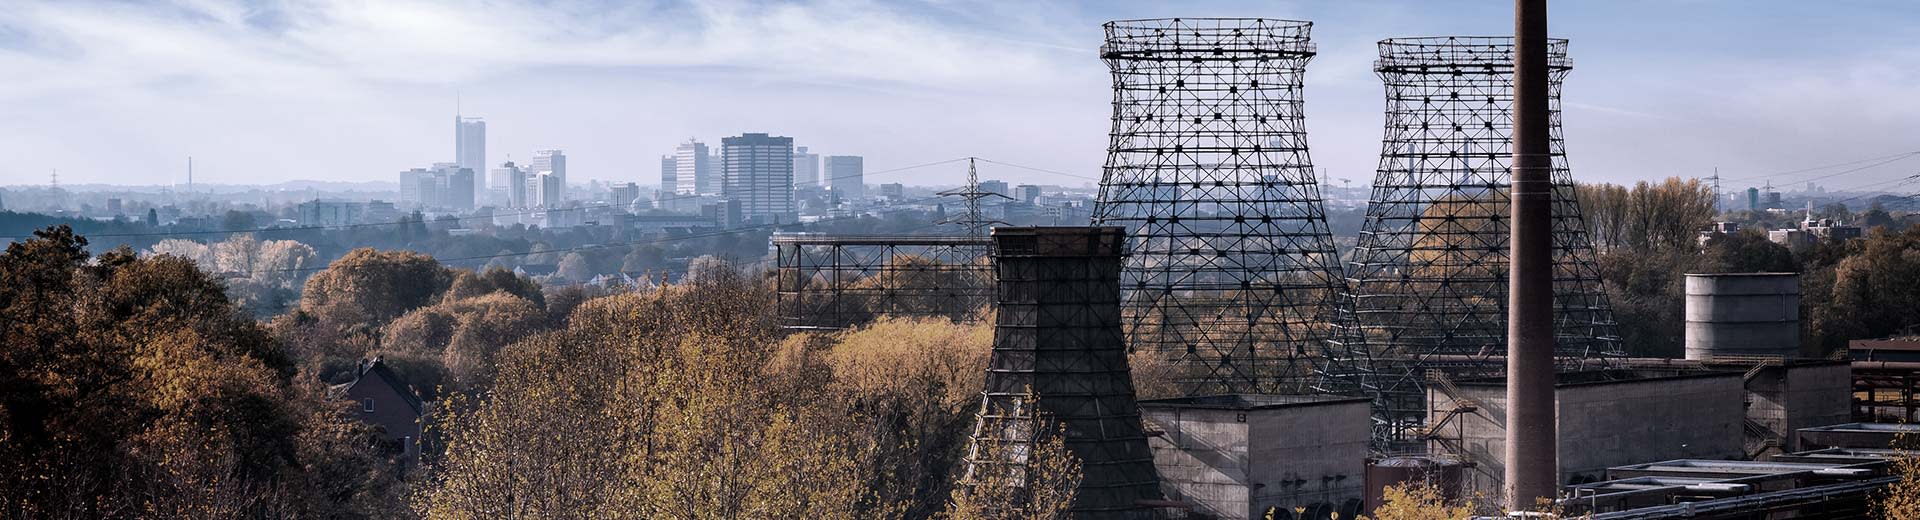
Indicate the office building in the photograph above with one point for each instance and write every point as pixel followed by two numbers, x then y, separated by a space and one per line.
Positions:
pixel 893 191
pixel 996 186
pixel 470 143
pixel 1026 193
pixel 457 183
pixel 444 186
pixel 512 181
pixel 669 174
pixel 845 175
pixel 692 169
pixel 551 162
pixel 329 213
pixel 757 172
pixel 623 193
pixel 806 168
pixel 410 185
pixel 547 190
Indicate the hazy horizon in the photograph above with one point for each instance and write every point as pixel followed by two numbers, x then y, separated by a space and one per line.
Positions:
pixel 282 91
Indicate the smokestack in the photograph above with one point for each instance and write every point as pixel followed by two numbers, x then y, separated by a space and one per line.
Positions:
pixel 1059 353
pixel 1531 440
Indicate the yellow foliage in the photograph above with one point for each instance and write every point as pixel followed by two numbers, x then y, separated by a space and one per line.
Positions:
pixel 1418 502
pixel 1901 500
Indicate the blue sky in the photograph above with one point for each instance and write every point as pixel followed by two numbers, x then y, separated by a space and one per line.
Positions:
pixel 358 90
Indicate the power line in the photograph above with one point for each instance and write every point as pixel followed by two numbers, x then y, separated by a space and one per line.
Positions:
pixel 1884 160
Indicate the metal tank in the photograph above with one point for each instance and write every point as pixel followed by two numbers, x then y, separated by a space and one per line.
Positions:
pixel 1743 315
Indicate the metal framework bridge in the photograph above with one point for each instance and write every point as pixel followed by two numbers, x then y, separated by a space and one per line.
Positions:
pixel 832 282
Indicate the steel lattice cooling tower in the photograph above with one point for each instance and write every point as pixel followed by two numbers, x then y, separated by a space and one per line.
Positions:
pixel 1428 279
pixel 1231 270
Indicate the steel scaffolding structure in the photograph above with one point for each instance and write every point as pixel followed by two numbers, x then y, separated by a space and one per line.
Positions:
pixel 1428 279
pixel 831 282
pixel 1232 268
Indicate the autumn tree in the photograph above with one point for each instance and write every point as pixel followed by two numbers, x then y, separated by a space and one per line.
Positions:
pixel 263 275
pixel 1901 499
pixel 136 388
pixel 369 286
pixel 1034 479
pixel 1417 501
pixel 912 386
pixel 462 336
pixel 468 284
pixel 1874 292
pixel 660 404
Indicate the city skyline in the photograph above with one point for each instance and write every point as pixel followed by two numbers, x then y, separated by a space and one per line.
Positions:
pixel 255 93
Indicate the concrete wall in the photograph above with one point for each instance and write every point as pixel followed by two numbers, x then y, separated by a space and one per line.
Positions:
pixel 1310 454
pixel 1784 399
pixel 1602 424
pixel 1236 463
pixel 1202 458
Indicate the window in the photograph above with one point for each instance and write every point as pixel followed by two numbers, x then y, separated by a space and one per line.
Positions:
pixel 366 405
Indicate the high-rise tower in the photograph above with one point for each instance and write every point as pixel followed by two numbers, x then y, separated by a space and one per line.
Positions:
pixel 1428 278
pixel 470 143
pixel 1232 269
pixel 758 174
pixel 693 168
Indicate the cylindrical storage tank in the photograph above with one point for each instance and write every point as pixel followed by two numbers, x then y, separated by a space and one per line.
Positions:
pixel 1443 474
pixel 1743 314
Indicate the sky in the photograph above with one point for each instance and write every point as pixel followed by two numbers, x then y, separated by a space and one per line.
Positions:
pixel 269 91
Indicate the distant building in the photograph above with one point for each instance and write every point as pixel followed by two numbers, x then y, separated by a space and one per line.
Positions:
pixel 623 193
pixel 1026 193
pixel 551 162
pixel 381 398
pixel 693 169
pixel 511 180
pixel 669 173
pixel 996 186
pixel 458 181
pixel 1753 199
pixel 893 191
pixel 329 213
pixel 846 175
pixel 410 185
pixel 380 211
pixel 757 173
pixel 470 143
pixel 806 168
pixel 1813 230
pixel 545 190
pixel 113 206
pixel 444 186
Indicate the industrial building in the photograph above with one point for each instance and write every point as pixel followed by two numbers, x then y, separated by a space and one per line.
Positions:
pixel 1236 457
